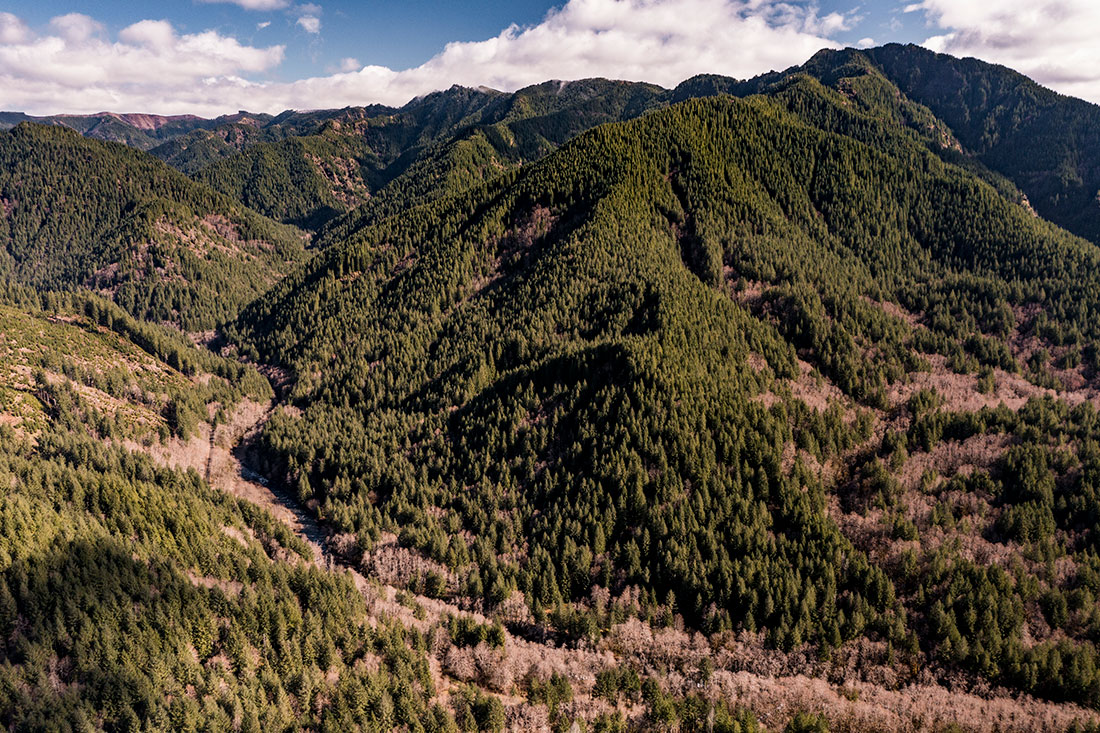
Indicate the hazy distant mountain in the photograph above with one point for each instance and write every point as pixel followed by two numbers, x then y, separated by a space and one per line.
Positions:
pixel 141 131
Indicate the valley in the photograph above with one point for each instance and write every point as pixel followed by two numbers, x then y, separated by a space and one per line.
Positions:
pixel 745 405
pixel 855 692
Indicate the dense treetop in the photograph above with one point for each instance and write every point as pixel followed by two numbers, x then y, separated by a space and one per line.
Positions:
pixel 1042 141
pixel 560 359
pixel 587 342
pixel 78 212
pixel 429 147
pixel 138 597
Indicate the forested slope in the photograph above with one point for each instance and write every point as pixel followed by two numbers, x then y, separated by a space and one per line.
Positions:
pixel 580 375
pixel 1027 141
pixel 995 118
pixel 134 596
pixel 77 212
pixel 432 146
pixel 1042 141
pixel 1049 144
pixel 639 408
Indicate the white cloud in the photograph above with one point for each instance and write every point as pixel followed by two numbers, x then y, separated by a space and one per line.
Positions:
pixel 151 68
pixel 310 23
pixel 831 23
pixel 865 42
pixel 12 29
pixel 348 64
pixel 76 27
pixel 253 4
pixel 264 24
pixel 1052 41
pixel 309 17
pixel 152 34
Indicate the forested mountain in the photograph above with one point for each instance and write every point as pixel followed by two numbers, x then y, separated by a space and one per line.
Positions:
pixel 150 132
pixel 432 145
pixel 306 167
pixel 1047 144
pixel 583 376
pixel 226 136
pixel 136 130
pixel 187 142
pixel 78 212
pixel 750 404
pixel 979 115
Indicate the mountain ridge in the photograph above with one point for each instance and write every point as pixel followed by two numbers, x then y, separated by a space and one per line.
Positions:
pixel 750 404
pixel 80 212
pixel 697 196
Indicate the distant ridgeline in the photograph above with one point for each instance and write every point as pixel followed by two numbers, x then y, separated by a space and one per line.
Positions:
pixel 305 168
pixel 809 360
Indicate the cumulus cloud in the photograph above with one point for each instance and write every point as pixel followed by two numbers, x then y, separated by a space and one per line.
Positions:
pixel 152 68
pixel 75 27
pixel 348 64
pixel 148 67
pixel 1052 41
pixel 309 17
pixel 12 29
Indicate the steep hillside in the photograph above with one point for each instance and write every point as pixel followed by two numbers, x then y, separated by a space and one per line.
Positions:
pixel 196 149
pixel 1047 144
pixel 148 581
pixel 227 136
pixel 305 181
pixel 432 146
pixel 134 596
pixel 598 373
pixel 975 115
pixel 77 212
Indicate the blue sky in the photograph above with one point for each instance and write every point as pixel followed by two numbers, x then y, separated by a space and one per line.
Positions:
pixel 394 34
pixel 214 56
pixel 399 35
